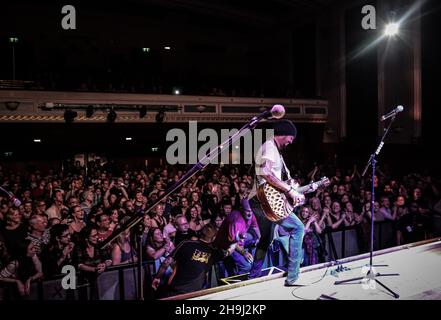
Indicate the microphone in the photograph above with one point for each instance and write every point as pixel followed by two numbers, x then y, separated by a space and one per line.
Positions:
pixel 392 113
pixel 15 201
pixel 276 112
pixel 12 198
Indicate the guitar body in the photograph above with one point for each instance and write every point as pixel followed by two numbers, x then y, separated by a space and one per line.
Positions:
pixel 276 205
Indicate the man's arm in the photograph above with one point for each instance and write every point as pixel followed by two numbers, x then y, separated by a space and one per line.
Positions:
pixel 164 265
pixel 266 173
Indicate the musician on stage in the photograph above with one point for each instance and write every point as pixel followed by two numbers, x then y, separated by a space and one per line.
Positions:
pixel 271 168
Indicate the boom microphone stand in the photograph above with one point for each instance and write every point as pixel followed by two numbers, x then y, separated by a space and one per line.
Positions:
pixel 371 275
pixel 276 112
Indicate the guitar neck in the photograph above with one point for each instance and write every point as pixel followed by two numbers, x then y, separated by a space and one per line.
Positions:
pixel 308 188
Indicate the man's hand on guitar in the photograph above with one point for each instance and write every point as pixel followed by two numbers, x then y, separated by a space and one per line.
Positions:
pixel 297 198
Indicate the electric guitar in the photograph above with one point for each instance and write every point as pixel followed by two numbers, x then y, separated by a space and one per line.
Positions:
pixel 276 205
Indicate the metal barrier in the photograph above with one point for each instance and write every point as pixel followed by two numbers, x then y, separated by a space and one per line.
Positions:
pixel 347 242
pixel 116 283
pixel 436 223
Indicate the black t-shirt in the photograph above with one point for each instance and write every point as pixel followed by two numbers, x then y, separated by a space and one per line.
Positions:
pixel 413 226
pixel 14 239
pixel 193 260
pixel 179 237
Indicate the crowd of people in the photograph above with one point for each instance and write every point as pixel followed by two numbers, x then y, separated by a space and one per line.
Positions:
pixel 57 218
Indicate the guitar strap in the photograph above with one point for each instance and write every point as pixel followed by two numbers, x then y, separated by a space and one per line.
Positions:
pixel 286 175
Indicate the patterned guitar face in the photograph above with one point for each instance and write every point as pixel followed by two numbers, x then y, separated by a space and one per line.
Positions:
pixel 277 202
pixel 276 205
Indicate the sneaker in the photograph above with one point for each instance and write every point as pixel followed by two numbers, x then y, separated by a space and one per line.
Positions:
pixel 292 283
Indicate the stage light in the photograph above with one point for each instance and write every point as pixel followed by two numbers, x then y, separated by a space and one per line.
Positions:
pixel 160 117
pixel 146 50
pixel 167 48
pixel 13 40
pixel 142 111
pixel 70 115
pixel 392 29
pixel 36 140
pixel 177 90
pixel 89 111
pixel 111 116
pixel 128 138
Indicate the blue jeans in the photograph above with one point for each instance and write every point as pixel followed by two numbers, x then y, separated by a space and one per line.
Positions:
pixel 238 264
pixel 295 229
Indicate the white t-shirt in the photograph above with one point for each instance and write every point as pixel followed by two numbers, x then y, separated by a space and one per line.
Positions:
pixel 269 152
pixel 169 228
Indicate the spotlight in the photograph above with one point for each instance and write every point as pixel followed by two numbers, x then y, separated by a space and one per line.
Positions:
pixel 89 111
pixel 392 29
pixel 160 116
pixel 111 116
pixel 69 116
pixel 142 111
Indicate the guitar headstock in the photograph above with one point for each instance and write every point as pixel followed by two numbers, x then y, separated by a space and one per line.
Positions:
pixel 324 182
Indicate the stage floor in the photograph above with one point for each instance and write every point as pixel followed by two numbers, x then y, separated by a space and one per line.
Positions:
pixel 419 268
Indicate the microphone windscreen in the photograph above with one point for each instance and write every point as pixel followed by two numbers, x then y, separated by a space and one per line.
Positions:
pixel 278 111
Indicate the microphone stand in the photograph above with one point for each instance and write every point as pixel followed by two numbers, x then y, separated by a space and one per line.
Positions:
pixel 195 169
pixel 372 276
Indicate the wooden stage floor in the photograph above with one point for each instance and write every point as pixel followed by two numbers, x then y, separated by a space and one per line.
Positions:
pixel 418 265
